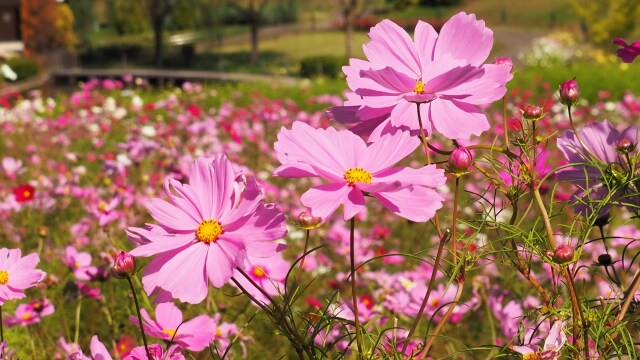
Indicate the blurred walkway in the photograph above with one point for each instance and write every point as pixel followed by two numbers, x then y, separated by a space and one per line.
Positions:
pixel 513 41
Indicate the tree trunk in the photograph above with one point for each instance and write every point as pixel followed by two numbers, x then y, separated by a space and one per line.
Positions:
pixel 348 12
pixel 255 54
pixel 157 37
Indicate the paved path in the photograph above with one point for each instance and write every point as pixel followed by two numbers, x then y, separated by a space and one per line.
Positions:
pixel 515 40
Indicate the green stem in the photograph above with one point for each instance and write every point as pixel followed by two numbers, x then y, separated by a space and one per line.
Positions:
pixel 354 294
pixel 432 280
pixel 144 337
pixel 454 223
pixel 504 121
pixel 78 310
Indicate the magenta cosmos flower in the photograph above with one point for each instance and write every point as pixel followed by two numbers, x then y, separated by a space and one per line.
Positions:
pixel 353 168
pixel 194 334
pixel 444 71
pixel 17 273
pixel 627 53
pixel 206 229
pixel 594 182
pixel 552 345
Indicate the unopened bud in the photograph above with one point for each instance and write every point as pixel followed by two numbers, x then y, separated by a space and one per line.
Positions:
pixel 563 254
pixel 460 160
pixel 569 92
pixel 124 265
pixel 532 112
pixel 307 222
pixel 625 146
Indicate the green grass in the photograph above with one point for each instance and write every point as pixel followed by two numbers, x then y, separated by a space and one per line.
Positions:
pixel 591 77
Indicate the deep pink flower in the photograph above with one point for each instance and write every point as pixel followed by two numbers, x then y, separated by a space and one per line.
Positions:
pixel 627 53
pixel 444 71
pixel 209 225
pixel 352 167
pixel 17 273
pixel 30 313
pixel 194 334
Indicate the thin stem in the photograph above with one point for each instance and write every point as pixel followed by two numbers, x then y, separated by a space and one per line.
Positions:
pixel 354 294
pixel 635 284
pixel 304 255
pixel 258 287
pixel 504 121
pixel 78 310
pixel 442 321
pixel 432 280
pixel 1 333
pixel 454 223
pixel 423 137
pixel 545 217
pixel 577 310
pixel 135 301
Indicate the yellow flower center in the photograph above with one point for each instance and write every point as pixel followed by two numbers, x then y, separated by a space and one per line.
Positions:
pixel 102 207
pixel 434 302
pixel 26 194
pixel 531 356
pixel 360 175
pixel 26 316
pixel 419 89
pixel 218 333
pixel 208 231
pixel 169 332
pixel 4 277
pixel 259 272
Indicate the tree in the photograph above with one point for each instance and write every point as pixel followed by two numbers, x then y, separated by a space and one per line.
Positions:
pixel 252 12
pixel 604 20
pixel 159 10
pixel 46 25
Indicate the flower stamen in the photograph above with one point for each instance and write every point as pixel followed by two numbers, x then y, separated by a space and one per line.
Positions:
pixel 4 277
pixel 208 231
pixel 360 175
pixel 419 89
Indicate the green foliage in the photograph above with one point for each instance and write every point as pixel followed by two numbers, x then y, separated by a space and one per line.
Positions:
pixel 85 19
pixel 606 19
pixel 325 65
pixel 23 67
pixel 127 17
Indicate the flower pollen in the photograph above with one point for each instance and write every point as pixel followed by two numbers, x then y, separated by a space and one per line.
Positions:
pixel 208 231
pixel 170 332
pixel 259 272
pixel 4 277
pixel 360 175
pixel 531 356
pixel 419 89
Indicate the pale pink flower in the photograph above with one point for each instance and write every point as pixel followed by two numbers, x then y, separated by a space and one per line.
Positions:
pixel 80 263
pixel 353 168
pixel 443 71
pixel 552 345
pixel 17 273
pixel 194 334
pixel 268 273
pixel 209 225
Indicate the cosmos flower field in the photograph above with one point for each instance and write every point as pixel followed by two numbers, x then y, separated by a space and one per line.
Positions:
pixel 427 212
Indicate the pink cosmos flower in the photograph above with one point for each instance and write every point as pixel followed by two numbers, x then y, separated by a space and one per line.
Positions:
pixel 80 263
pixel 552 345
pixel 444 71
pixel 353 168
pixel 17 273
pixel 601 139
pixel 269 273
pixel 157 353
pixel 30 313
pixel 209 225
pixel 194 334
pixel 627 53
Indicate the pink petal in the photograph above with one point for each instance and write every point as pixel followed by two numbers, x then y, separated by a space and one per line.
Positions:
pixel 392 82
pixel 98 350
pixel 457 120
pixel 170 216
pixel 487 88
pixel 464 37
pixel 429 176
pixel 199 331
pixel 162 243
pixel 168 315
pixel 425 38
pixel 354 203
pixel 390 44
pixel 390 149
pixel 184 274
pixel 323 200
pixel 417 204
pixel 222 258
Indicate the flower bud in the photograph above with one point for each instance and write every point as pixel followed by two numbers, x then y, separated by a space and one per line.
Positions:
pixel 504 61
pixel 605 260
pixel 532 112
pixel 563 254
pixel 124 265
pixel 460 160
pixel 307 221
pixel 625 146
pixel 569 92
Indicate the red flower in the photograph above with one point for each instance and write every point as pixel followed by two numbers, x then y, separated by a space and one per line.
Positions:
pixel 24 193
